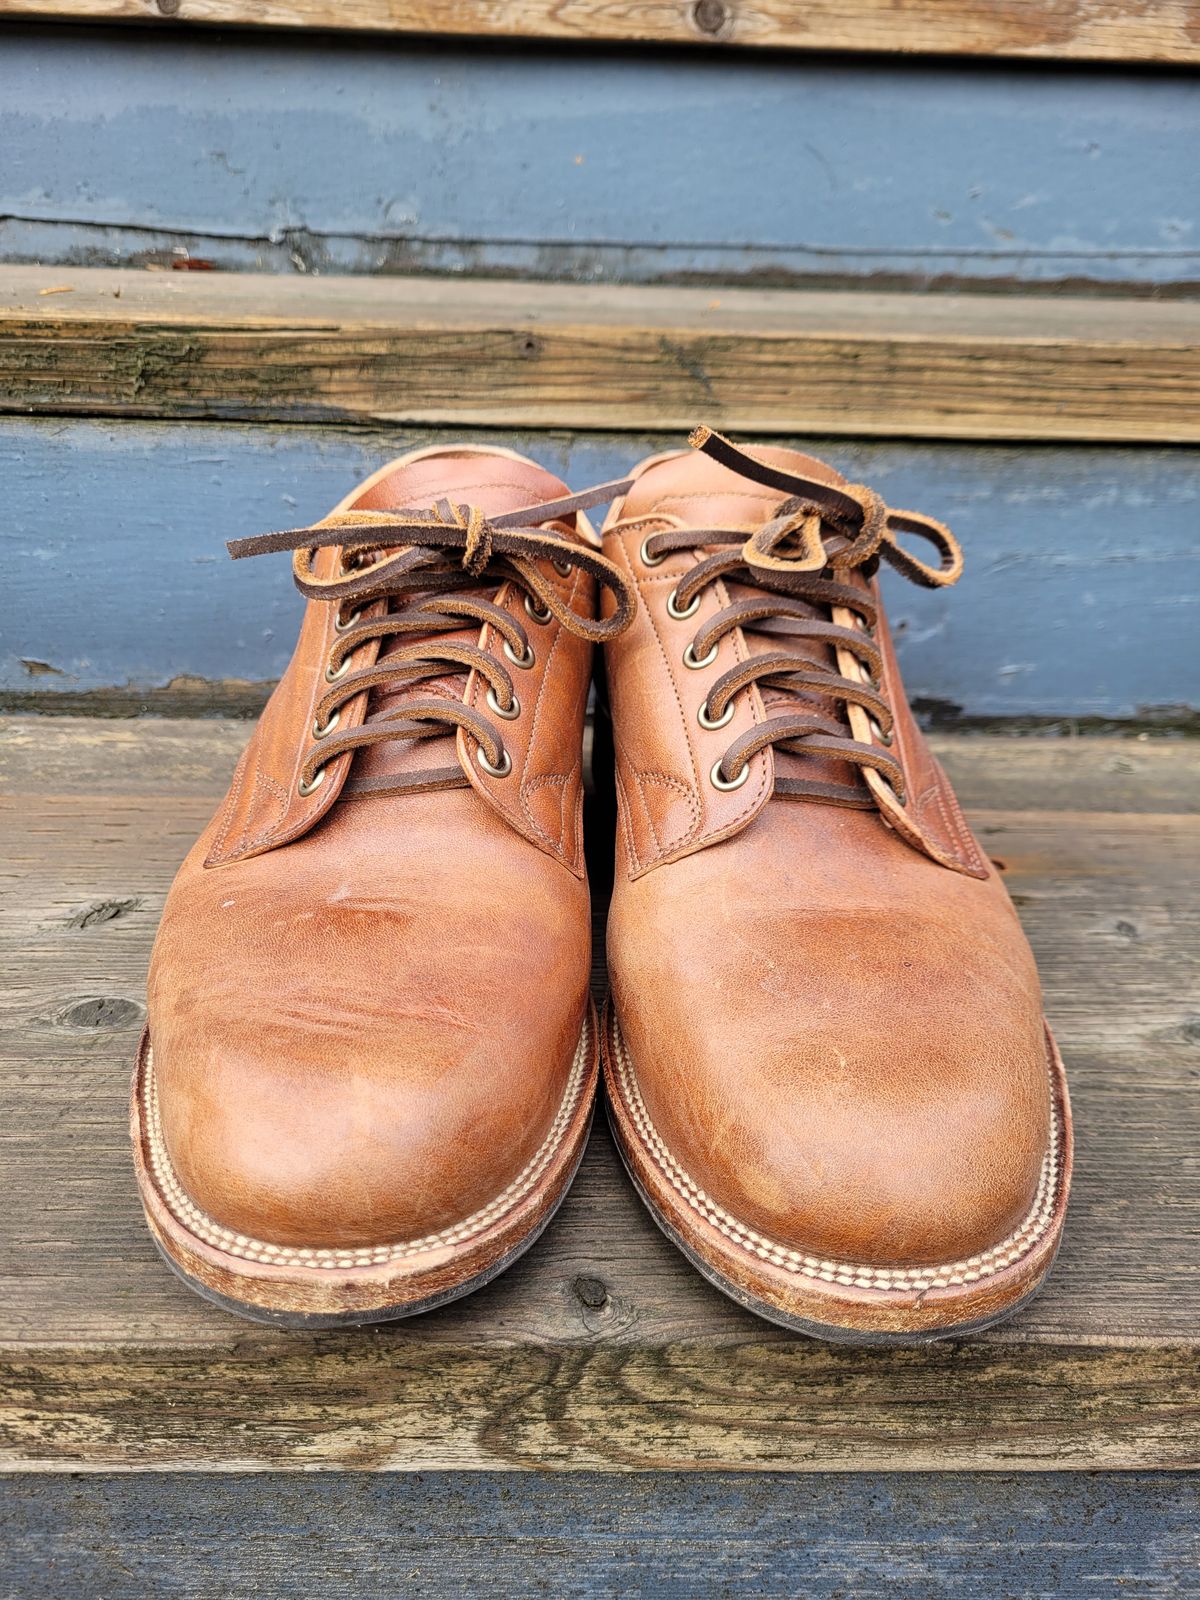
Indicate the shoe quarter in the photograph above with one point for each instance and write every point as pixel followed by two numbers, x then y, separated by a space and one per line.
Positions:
pixel 264 807
pixel 667 805
pixel 542 798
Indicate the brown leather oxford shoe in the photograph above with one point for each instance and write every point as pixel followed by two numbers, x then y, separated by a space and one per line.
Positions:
pixel 827 1064
pixel 370 1058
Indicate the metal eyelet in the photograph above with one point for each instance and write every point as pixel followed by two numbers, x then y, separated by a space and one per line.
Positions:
pixel 885 739
pixel 318 778
pixel 502 771
pixel 322 730
pixel 718 782
pixel 689 658
pixel 539 614
pixel 524 661
pixel 343 625
pixel 332 677
pixel 563 568
pixel 723 721
pixel 494 705
pixel 689 610
pixel 647 559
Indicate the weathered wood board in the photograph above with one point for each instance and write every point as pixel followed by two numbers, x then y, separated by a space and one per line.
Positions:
pixel 602 1348
pixel 583 1536
pixel 1079 597
pixel 1160 30
pixel 369 155
pixel 449 350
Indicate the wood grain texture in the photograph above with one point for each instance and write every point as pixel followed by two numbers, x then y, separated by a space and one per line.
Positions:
pixel 451 351
pixel 1078 30
pixel 584 1536
pixel 602 1348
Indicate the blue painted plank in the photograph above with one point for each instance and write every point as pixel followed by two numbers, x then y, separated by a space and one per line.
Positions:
pixel 356 155
pixel 674 1536
pixel 1081 594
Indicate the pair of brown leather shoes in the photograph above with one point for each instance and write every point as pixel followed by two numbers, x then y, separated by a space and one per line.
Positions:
pixel 371 1057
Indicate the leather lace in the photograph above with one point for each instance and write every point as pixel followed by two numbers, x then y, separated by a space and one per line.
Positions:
pixel 799 563
pixel 416 574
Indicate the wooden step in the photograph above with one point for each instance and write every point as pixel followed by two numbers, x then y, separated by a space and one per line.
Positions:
pixel 601 1348
pixel 483 352
pixel 1154 30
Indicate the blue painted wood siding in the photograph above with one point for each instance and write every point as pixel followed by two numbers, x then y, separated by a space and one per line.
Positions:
pixel 588 1536
pixel 291 153
pixel 1081 594
pixel 367 155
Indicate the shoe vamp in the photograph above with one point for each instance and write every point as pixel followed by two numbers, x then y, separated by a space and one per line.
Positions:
pixel 839 1040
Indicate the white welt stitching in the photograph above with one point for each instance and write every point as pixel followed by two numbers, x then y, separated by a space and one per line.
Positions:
pixel 238 1244
pixel 949 1276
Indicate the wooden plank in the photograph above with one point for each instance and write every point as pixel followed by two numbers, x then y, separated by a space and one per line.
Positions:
pixel 342 154
pixel 602 1348
pixel 1085 30
pixel 484 353
pixel 602 1536
pixel 1082 565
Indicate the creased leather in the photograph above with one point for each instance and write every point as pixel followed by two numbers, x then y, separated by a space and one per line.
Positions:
pixel 688 489
pixel 839 1041
pixel 265 809
pixel 363 1022
pixel 663 755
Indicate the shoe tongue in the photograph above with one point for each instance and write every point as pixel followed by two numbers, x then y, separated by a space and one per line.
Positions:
pixel 704 494
pixel 495 484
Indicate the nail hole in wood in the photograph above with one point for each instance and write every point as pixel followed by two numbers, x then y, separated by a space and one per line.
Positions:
pixel 710 16
pixel 591 1292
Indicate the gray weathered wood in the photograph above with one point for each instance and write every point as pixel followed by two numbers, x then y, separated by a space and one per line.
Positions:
pixel 377 156
pixel 670 1536
pixel 602 1348
pixel 1079 596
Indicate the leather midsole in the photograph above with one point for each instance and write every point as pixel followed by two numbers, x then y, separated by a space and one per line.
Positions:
pixel 966 1274
pixel 206 1231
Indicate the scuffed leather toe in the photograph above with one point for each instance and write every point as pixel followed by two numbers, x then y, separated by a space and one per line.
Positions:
pixel 866 1085
pixel 328 1073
